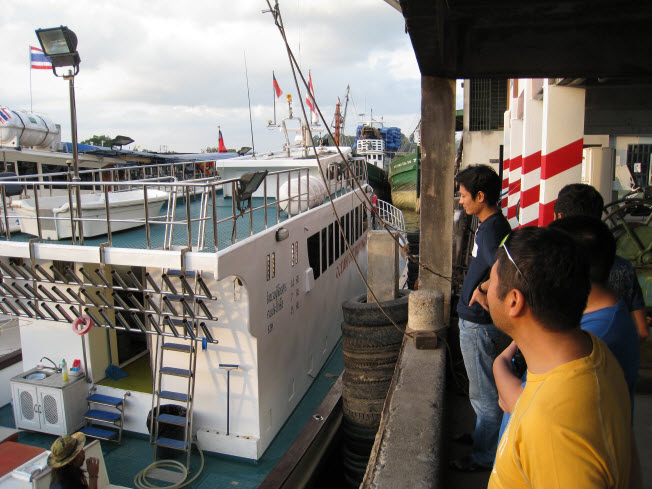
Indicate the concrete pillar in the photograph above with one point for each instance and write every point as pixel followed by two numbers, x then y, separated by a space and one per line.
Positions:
pixel 515 163
pixel 437 176
pixel 506 161
pixel 531 173
pixel 382 269
pixel 562 141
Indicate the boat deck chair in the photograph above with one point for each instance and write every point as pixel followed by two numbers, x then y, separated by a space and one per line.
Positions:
pixel 93 449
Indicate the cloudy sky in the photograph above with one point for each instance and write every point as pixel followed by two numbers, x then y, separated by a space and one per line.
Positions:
pixel 167 73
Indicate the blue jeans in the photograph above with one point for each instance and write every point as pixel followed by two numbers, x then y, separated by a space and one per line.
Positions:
pixel 480 344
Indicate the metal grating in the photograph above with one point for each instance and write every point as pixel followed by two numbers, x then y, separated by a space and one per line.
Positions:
pixel 638 162
pixel 50 409
pixel 488 102
pixel 27 405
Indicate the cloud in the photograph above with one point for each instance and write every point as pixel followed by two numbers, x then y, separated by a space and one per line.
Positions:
pixel 169 75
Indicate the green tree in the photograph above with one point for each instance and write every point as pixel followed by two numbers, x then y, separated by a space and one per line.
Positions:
pixel 98 140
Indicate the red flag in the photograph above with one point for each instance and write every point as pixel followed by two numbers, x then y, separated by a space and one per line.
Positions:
pixel 221 148
pixel 277 89
pixel 310 96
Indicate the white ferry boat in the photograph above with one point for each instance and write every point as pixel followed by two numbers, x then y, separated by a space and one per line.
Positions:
pixel 238 298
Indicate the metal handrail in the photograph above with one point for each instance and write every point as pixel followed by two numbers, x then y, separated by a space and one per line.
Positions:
pixel 205 187
pixel 391 215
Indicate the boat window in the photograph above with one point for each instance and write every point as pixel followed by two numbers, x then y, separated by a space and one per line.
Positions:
pixel 347 227
pixel 313 254
pixel 324 251
pixel 27 168
pixel 337 240
pixel 357 223
pixel 331 255
pixel 351 227
pixel 342 232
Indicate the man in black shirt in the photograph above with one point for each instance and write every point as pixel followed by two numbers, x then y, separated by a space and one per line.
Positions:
pixel 480 340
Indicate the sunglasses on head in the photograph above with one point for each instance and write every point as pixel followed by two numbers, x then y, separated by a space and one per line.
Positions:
pixel 503 244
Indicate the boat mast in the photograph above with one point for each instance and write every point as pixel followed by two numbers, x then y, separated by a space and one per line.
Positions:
pixel 337 123
pixel 339 118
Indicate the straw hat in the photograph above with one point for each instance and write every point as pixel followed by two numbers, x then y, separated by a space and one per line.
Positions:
pixel 65 449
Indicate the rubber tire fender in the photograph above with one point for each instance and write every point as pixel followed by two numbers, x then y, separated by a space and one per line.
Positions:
pixel 372 336
pixel 359 312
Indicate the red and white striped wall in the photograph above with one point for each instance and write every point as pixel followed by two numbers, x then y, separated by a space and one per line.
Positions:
pixel 515 163
pixel 506 161
pixel 562 141
pixel 531 169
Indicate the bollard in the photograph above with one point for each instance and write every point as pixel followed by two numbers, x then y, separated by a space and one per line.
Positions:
pixel 425 317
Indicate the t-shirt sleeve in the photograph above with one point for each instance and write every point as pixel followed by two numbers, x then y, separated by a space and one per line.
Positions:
pixel 638 301
pixel 624 282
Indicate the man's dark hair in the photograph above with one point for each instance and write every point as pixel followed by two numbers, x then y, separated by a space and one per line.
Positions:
pixel 579 199
pixel 555 280
pixel 595 238
pixel 481 178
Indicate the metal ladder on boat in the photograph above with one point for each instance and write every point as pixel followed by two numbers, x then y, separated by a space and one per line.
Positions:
pixel 180 301
pixel 164 422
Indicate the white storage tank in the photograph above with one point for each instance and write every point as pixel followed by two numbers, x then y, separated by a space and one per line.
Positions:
pixel 21 128
pixel 289 191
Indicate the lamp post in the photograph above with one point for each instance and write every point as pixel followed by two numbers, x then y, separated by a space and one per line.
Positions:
pixel 60 45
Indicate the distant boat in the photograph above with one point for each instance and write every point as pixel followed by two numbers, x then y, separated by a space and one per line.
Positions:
pixel 404 180
pixel 378 145
pixel 127 210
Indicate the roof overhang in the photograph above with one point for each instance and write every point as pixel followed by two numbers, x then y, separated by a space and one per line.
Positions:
pixel 532 39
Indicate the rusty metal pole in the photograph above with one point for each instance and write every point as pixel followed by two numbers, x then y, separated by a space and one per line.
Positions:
pixel 437 185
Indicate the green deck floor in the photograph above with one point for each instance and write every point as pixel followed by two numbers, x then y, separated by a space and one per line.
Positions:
pixel 124 461
pixel 139 377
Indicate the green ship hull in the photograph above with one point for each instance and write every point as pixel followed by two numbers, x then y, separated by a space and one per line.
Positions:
pixel 377 178
pixel 404 181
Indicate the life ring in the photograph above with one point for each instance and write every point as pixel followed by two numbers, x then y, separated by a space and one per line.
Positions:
pixel 82 324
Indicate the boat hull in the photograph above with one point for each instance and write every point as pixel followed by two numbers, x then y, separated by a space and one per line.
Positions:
pixel 404 182
pixel 378 181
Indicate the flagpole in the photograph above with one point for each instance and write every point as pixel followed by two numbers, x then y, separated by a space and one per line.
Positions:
pixel 274 95
pixel 31 104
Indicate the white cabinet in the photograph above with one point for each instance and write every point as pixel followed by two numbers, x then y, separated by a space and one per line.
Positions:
pixel 55 410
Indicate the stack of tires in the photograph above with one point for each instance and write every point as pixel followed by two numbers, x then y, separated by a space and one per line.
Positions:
pixel 371 345
pixel 413 248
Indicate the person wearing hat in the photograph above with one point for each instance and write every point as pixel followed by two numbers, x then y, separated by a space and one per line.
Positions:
pixel 67 458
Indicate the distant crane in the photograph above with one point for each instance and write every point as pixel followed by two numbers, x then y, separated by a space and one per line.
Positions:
pixel 340 119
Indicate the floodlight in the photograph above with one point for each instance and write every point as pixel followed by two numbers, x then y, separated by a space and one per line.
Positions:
pixel 248 183
pixel 60 45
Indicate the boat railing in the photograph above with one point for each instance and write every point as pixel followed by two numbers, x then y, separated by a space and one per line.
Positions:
pixel 392 216
pixel 192 213
pixel 127 172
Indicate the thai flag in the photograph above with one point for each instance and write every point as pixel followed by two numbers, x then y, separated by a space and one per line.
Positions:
pixel 277 89
pixel 5 115
pixel 39 60
pixel 310 96
pixel 221 148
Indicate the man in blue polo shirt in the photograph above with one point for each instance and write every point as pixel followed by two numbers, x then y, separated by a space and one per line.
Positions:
pixel 480 340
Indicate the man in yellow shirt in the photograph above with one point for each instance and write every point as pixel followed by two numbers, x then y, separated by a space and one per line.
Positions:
pixel 571 426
